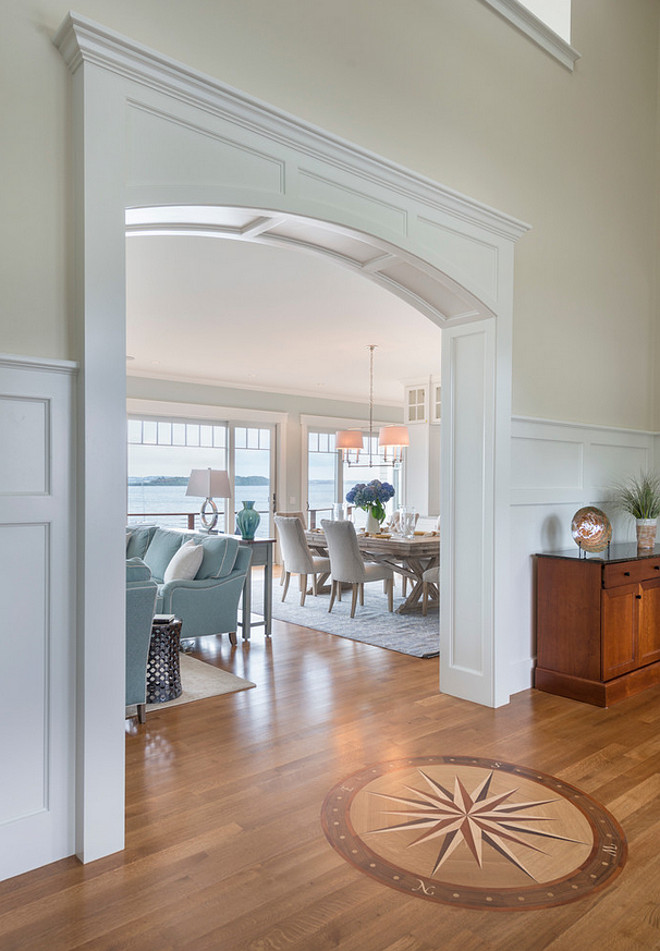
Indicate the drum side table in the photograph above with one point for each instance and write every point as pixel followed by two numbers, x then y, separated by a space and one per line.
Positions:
pixel 163 670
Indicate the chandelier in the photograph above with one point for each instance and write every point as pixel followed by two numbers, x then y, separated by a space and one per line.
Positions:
pixel 391 439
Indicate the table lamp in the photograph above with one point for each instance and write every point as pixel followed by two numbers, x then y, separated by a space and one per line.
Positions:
pixel 208 484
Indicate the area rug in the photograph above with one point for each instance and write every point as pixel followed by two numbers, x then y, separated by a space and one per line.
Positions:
pixel 373 624
pixel 199 680
pixel 475 833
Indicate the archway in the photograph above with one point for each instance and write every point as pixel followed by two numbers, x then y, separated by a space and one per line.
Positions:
pixel 151 133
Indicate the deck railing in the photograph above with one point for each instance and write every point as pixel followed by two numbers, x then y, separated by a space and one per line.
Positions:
pixel 314 517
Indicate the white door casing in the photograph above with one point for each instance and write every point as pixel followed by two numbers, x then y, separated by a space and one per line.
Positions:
pixel 153 134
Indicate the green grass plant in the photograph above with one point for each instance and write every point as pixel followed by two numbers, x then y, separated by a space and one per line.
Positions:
pixel 639 495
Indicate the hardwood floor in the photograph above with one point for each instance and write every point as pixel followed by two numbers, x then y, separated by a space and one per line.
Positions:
pixel 224 845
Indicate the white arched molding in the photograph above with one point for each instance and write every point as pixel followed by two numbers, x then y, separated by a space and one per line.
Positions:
pixel 153 133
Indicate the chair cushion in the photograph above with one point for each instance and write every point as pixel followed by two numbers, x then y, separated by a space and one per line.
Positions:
pixel 375 572
pixel 138 542
pixel 184 563
pixel 219 556
pixel 161 550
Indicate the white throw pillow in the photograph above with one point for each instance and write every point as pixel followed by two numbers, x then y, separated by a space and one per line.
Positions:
pixel 185 563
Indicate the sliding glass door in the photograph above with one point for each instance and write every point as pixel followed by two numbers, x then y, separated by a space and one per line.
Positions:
pixel 162 452
pixel 251 450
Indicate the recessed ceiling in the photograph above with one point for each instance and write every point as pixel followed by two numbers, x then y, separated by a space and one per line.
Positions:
pixel 275 318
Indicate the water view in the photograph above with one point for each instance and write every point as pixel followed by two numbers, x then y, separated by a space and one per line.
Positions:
pixel 172 498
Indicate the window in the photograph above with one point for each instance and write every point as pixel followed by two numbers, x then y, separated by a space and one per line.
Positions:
pixel 547 22
pixel 329 478
pixel 323 487
pixel 161 453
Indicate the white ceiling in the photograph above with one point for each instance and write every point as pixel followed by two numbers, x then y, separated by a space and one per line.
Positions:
pixel 274 318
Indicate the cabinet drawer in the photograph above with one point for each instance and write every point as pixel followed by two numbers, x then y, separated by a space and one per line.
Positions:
pixel 630 572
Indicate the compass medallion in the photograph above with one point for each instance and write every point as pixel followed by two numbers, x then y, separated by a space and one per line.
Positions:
pixel 474 833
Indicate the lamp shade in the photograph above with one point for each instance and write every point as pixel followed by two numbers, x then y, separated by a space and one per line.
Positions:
pixel 349 439
pixel 209 484
pixel 389 436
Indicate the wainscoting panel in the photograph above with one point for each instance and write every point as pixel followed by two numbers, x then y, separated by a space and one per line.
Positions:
pixel 37 588
pixel 24 572
pixel 24 430
pixel 556 469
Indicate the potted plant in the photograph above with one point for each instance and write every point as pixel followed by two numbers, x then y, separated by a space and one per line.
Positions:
pixel 371 497
pixel 639 496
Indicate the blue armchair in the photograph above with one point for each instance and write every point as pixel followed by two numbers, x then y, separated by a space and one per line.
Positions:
pixel 208 603
pixel 140 608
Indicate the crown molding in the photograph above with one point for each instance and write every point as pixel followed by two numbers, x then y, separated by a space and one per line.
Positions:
pixel 80 40
pixel 155 375
pixel 525 21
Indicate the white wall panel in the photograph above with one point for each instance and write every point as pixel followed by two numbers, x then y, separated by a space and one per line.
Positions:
pixel 336 194
pixel 558 468
pixel 24 435
pixel 170 150
pixel 25 648
pixel 546 464
pixel 37 636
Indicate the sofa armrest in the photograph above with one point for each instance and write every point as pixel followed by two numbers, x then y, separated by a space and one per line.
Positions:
pixel 207 584
pixel 243 560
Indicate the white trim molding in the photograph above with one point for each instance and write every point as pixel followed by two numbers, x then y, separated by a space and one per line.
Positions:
pixel 37 363
pixel 81 40
pixel 149 132
pixel 525 21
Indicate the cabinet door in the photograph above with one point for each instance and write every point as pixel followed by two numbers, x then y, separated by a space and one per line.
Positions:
pixel 648 649
pixel 619 620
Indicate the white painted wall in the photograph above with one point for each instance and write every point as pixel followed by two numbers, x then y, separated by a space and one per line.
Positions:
pixel 454 92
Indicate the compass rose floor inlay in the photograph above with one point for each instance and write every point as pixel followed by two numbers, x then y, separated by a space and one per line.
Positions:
pixel 474 833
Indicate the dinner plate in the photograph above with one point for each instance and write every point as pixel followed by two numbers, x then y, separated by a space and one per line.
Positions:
pixel 591 529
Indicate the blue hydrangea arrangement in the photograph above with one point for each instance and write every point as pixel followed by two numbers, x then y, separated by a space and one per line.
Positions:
pixel 371 497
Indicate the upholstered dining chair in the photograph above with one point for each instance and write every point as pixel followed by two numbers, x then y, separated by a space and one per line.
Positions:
pixel 301 516
pixel 430 576
pixel 347 565
pixel 296 555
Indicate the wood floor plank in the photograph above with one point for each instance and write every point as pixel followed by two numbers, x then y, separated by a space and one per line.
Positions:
pixel 224 845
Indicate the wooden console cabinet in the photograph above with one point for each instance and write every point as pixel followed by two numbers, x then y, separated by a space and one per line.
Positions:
pixel 598 623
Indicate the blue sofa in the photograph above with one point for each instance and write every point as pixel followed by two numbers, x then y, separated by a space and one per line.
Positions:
pixel 141 594
pixel 207 604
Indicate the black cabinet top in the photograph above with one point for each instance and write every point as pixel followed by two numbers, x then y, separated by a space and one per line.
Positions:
pixel 621 552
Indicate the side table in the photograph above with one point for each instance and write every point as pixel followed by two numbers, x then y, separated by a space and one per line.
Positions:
pixel 262 554
pixel 163 670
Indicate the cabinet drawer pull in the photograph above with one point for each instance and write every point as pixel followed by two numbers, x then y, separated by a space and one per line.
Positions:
pixel 639 597
pixel 656 567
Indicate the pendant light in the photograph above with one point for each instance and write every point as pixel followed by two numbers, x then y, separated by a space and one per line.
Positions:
pixel 392 439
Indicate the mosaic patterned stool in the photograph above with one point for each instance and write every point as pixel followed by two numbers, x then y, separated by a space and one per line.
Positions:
pixel 163 671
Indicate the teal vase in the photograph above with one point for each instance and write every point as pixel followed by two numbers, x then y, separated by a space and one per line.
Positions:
pixel 248 520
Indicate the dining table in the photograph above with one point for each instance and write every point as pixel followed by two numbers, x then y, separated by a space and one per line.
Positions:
pixel 409 557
